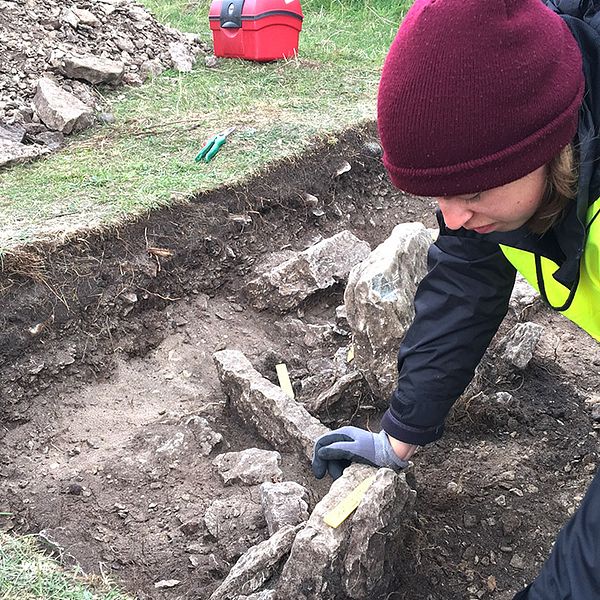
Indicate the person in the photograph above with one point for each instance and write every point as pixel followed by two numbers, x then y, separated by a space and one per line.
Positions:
pixel 493 108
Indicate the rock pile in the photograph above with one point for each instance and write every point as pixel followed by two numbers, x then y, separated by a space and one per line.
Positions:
pixel 288 550
pixel 308 558
pixel 52 53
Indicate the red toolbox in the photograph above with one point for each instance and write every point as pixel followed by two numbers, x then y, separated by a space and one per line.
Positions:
pixel 259 30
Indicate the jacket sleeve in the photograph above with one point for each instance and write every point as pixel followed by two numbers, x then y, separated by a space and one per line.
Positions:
pixel 459 306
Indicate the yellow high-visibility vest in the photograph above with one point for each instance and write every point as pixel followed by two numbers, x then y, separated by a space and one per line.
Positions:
pixel 581 304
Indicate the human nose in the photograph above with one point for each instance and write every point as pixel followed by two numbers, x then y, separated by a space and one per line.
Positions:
pixel 455 212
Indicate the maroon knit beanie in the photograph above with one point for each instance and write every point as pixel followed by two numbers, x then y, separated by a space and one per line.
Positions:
pixel 477 93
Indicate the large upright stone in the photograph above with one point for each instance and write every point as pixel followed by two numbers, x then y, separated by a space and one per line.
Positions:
pixel 278 418
pixel 379 303
pixel 93 69
pixel 354 560
pixel 317 268
pixel 59 110
pixel 256 566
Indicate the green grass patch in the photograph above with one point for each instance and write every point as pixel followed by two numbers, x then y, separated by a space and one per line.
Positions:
pixel 26 574
pixel 146 160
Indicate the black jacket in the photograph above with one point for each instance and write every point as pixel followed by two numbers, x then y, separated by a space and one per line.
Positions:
pixel 464 297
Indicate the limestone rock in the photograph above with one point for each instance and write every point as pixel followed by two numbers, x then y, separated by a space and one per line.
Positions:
pixel 205 438
pixel 195 437
pixel 85 17
pixel 312 335
pixel 353 560
pixel 523 294
pixel 59 110
pixel 319 267
pixel 182 58
pixel 151 69
pixel 12 133
pixel 12 153
pixel 256 566
pixel 250 467
pixel 372 148
pixel 262 595
pixel 284 504
pixel 277 418
pixel 69 17
pixel 379 303
pixel 343 388
pixel 236 524
pixel 520 342
pixel 35 36
pixel 52 139
pixel 93 69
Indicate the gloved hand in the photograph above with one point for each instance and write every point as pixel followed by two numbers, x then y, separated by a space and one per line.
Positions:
pixel 334 451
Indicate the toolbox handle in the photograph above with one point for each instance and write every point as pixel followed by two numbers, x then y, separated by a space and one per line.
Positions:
pixel 231 14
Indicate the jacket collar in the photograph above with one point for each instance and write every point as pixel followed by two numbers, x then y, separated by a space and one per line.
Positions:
pixel 565 242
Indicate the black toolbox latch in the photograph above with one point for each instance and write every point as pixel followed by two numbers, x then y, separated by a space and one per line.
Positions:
pixel 231 14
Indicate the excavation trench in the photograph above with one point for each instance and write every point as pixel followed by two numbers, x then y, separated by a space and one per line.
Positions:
pixel 107 348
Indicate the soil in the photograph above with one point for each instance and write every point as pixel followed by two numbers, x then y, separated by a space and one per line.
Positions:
pixel 107 344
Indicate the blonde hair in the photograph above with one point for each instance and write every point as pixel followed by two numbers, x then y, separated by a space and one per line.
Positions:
pixel 561 189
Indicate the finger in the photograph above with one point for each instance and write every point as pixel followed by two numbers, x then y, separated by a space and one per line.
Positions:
pixel 336 467
pixel 338 451
pixel 331 438
pixel 319 466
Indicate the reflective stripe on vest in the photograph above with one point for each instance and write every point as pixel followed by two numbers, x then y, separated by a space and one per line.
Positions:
pixel 581 304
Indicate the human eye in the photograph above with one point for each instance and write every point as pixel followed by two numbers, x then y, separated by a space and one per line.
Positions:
pixel 473 197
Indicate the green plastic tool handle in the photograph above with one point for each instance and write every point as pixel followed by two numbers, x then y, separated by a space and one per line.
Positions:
pixel 204 150
pixel 217 143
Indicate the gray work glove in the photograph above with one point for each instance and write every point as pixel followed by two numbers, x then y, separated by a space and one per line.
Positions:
pixel 334 451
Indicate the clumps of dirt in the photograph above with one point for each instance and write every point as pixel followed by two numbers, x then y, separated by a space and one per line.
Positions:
pixel 37 39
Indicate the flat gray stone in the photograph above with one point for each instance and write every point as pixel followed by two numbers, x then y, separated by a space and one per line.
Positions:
pixel 256 566
pixel 93 69
pixel 379 303
pixel 85 17
pixel 12 153
pixel 278 418
pixel 284 503
pixel 262 595
pixel 322 265
pixel 250 467
pixel 12 133
pixel 341 389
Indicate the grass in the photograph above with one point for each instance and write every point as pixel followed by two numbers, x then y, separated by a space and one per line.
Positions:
pixel 25 574
pixel 145 160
